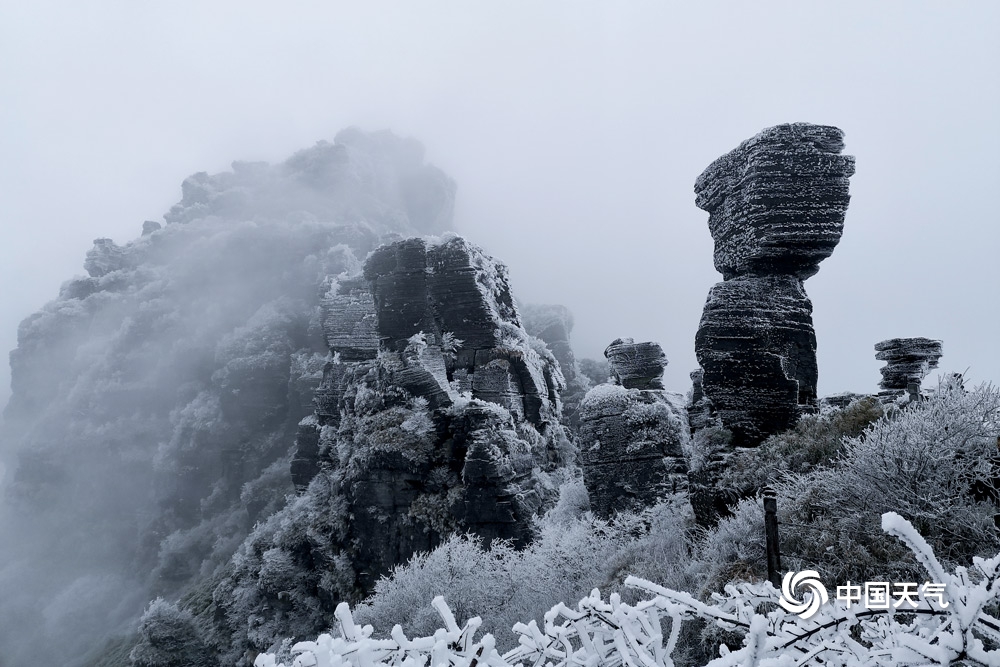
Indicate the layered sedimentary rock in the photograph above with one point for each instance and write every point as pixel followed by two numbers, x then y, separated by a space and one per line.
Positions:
pixel 633 433
pixel 776 202
pixel 908 361
pixel 636 365
pixel 776 209
pixel 701 413
pixel 437 414
pixel 758 350
pixel 553 324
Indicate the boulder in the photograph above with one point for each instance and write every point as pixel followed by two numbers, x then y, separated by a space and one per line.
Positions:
pixel 636 365
pixel 777 201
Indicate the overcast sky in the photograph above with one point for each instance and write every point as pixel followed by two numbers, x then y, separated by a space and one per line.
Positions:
pixel 575 131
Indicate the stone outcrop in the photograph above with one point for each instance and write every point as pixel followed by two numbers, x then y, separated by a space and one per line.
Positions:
pixel 776 202
pixel 633 434
pixel 758 350
pixel 776 209
pixel 436 414
pixel 636 365
pixel 701 412
pixel 553 324
pixel 908 361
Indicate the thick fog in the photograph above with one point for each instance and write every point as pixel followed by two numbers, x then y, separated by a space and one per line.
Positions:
pixel 574 131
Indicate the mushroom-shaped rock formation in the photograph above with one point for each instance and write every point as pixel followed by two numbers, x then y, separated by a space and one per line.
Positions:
pixel 776 209
pixel 633 434
pixel 908 361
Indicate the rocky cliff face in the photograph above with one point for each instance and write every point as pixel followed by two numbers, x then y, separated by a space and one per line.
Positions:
pixel 776 207
pixel 553 324
pixel 437 413
pixel 633 434
pixel 155 400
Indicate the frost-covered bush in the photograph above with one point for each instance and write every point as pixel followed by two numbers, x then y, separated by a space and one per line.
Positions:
pixel 958 628
pixel 168 637
pixel 815 440
pixel 934 462
pixel 597 371
pixel 288 575
pixel 570 556
pixel 706 446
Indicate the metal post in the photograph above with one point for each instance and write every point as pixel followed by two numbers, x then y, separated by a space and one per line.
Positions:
pixel 771 537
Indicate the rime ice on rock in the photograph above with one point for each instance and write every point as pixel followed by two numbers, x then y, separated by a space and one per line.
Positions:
pixel 633 433
pixel 179 368
pixel 437 409
pixel 701 413
pixel 553 324
pixel 777 201
pixel 776 209
pixel 636 365
pixel 908 361
pixel 104 258
pixel 758 349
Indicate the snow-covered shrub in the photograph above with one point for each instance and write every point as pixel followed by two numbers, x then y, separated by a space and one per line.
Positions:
pixel 815 440
pixel 957 629
pixel 572 503
pixel 597 371
pixel 935 463
pixel 287 576
pixel 568 557
pixel 168 637
pixel 706 445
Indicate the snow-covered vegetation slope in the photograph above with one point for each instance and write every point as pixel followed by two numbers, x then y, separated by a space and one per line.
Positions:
pixel 598 633
pixel 910 459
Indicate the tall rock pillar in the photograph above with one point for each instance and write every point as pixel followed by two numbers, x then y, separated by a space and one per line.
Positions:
pixel 776 206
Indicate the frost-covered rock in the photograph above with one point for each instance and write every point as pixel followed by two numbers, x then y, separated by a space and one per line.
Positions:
pixel 908 361
pixel 632 440
pixel 777 201
pixel 553 324
pixel 636 365
pixel 437 414
pixel 701 413
pixel 757 348
pixel 776 207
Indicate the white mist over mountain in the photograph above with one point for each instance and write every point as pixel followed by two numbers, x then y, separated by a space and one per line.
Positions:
pixel 574 131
